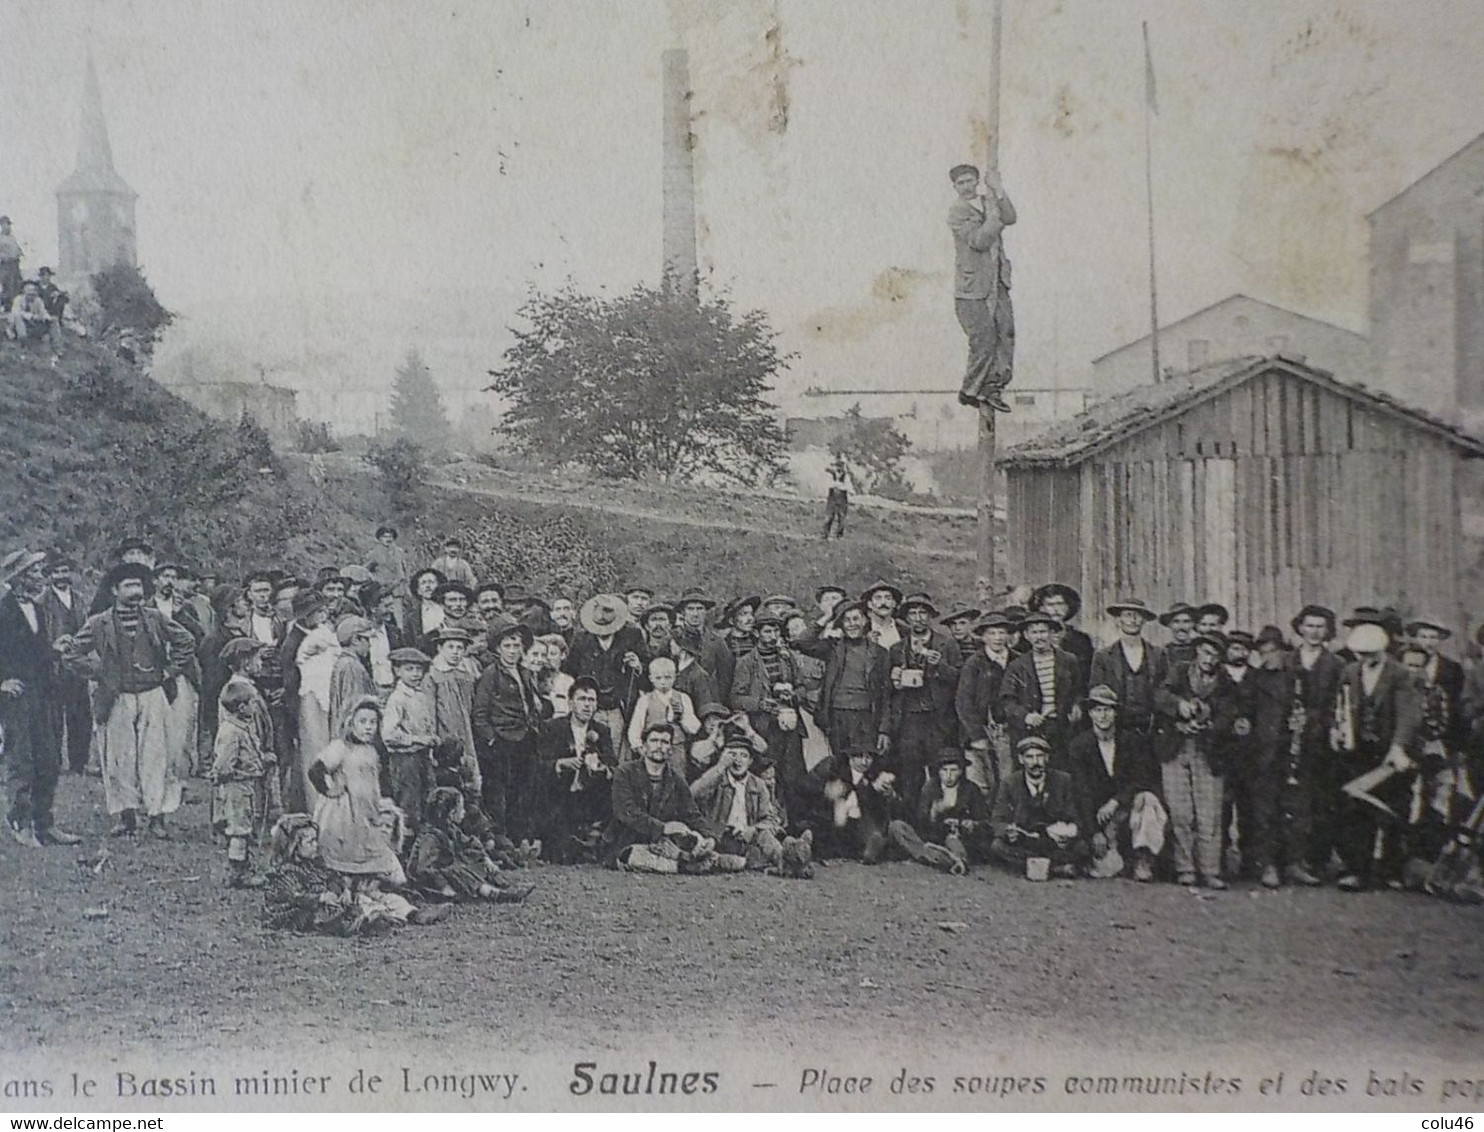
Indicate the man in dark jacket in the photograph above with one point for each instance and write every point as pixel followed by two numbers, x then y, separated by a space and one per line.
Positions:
pixel 977 704
pixel 952 811
pixel 854 692
pixel 1042 690
pixel 507 714
pixel 1311 783
pixel 923 668
pixel 65 614
pixel 1133 667
pixel 1064 603
pixel 577 765
pixel 859 814
pixel 30 703
pixel 1116 781
pixel 610 649
pixel 656 824
pixel 1036 815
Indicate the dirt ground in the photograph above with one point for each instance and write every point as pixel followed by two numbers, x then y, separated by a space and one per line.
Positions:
pixel 180 962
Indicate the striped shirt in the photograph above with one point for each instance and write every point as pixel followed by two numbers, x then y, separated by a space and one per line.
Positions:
pixel 1046 674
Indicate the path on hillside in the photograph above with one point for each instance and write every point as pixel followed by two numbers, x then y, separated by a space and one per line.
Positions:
pixel 525 494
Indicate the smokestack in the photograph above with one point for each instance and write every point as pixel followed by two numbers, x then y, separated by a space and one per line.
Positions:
pixel 678 176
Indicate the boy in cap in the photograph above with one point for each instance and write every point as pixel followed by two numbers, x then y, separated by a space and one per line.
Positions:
pixel 239 771
pixel 1116 782
pixel 243 658
pixel 1036 815
pixel 451 680
pixel 409 732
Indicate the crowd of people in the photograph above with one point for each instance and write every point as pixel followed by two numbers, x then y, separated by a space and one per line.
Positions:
pixel 406 736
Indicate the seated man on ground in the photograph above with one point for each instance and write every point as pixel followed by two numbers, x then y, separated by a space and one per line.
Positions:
pixel 656 825
pixel 1036 815
pixel 739 804
pixel 30 321
pixel 952 811
pixel 1116 782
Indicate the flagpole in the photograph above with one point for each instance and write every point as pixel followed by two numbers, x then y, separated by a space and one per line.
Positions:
pixel 1149 109
pixel 989 478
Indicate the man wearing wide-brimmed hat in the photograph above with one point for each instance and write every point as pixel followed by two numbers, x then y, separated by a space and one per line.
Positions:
pixel 1441 672
pixel 1042 690
pixel 1063 602
pixel 609 648
pixel 136 657
pixel 738 622
pixel 881 600
pixel 692 608
pixel 976 702
pixel 923 668
pixel 30 702
pixel 1131 666
pixel 387 561
pixel 1179 619
pixel 1117 783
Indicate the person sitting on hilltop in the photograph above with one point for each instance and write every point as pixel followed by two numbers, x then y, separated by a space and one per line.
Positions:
pixel 30 321
pixel 54 297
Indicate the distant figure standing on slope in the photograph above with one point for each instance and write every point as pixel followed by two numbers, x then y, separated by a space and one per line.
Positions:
pixel 981 285
pixel 837 501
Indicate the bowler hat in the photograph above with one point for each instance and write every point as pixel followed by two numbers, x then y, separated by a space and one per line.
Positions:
pixel 1058 589
pixel 657 607
pixel 453 588
pixel 602 615
pixel 695 595
pixel 129 544
pixel 1132 605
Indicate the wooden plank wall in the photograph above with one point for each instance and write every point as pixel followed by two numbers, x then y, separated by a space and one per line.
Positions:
pixel 1275 494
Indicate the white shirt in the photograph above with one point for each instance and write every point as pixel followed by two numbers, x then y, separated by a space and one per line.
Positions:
pixel 1309 655
pixel 1370 676
pixel 433 616
pixel 884 635
pixel 381 658
pixel 29 609
pixel 64 596
pixel 1108 748
pixel 737 816
pixel 262 629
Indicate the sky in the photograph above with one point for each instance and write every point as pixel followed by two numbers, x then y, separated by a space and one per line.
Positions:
pixel 323 186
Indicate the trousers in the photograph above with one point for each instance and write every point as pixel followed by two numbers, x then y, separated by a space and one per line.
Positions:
pixel 990 326
pixel 1193 792
pixel 134 749
pixel 33 757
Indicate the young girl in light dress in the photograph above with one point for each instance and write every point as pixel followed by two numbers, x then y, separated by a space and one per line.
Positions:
pixel 347 773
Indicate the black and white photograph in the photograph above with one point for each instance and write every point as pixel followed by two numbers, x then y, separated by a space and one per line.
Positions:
pixel 677 556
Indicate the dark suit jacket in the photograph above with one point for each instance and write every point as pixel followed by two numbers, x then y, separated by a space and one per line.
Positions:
pixel 617 686
pixel 1136 690
pixel 1321 684
pixel 1015 806
pixel 1226 703
pixel 61 621
pixel 555 741
pixel 971 806
pixel 1134 771
pixel 877 809
pixel 639 817
pixel 1451 680
pixel 506 709
pixel 1079 644
pixel 25 655
pixel 978 695
pixel 832 651
pixel 940 681
pixel 1391 715
pixel 1020 694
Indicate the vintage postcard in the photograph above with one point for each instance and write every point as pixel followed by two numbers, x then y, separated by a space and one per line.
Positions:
pixel 764 554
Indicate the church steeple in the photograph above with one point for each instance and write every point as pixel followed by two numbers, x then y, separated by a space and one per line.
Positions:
pixel 95 206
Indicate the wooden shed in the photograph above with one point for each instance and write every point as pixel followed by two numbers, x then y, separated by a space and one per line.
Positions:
pixel 1262 483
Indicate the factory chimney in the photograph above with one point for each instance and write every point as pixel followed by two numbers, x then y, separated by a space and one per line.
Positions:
pixel 678 176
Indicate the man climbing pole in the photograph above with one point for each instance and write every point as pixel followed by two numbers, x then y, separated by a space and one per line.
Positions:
pixel 981 287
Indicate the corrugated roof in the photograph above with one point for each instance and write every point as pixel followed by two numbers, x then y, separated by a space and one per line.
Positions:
pixel 1116 419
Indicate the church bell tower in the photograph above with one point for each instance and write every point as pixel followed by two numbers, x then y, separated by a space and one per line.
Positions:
pixel 95 206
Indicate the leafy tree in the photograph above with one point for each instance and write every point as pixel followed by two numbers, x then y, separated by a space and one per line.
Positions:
pixel 127 306
pixel 874 447
pixel 417 407
pixel 403 471
pixel 652 383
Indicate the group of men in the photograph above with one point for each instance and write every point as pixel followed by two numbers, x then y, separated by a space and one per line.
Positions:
pixel 692 734
pixel 33 308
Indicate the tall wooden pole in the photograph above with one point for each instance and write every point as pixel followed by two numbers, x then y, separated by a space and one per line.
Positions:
pixel 989 479
pixel 1149 109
